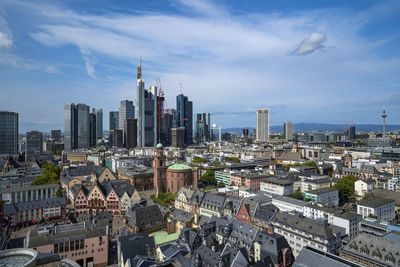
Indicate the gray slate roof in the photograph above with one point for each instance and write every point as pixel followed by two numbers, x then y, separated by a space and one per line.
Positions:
pixel 310 257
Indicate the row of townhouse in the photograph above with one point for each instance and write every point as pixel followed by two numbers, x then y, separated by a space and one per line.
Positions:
pixel 116 196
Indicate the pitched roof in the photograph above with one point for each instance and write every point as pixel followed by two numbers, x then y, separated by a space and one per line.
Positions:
pixel 310 257
pixel 144 217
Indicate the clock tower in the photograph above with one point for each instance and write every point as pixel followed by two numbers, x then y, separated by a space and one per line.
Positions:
pixel 160 170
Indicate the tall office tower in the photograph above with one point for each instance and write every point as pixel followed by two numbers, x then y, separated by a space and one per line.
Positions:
pixel 202 128
pixel 352 132
pixel 146 113
pixel 178 137
pixel 117 138
pixel 184 108
pixel 8 132
pixel 245 132
pixel 55 134
pixel 99 124
pixel 262 132
pixel 288 130
pixel 76 126
pixel 93 127
pixel 34 145
pixel 216 133
pixel 126 111
pixel 130 133
pixel 114 119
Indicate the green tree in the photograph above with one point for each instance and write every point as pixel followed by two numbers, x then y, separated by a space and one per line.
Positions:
pixel 297 194
pixel 197 159
pixel 221 184
pixel 60 192
pixel 208 178
pixel 51 175
pixel 232 159
pixel 346 188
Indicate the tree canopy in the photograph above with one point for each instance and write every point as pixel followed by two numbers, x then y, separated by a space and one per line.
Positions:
pixel 51 175
pixel 308 163
pixel 208 178
pixel 232 159
pixel 346 187
pixel 163 199
pixel 197 159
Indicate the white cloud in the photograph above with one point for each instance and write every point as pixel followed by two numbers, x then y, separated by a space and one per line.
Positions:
pixel 311 44
pixel 5 41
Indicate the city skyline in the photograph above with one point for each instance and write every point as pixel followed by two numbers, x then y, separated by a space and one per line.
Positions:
pixel 354 64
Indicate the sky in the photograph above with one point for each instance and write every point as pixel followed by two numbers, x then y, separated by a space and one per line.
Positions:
pixel 307 61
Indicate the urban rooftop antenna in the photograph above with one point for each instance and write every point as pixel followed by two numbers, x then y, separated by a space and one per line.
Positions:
pixel 180 88
pixel 139 69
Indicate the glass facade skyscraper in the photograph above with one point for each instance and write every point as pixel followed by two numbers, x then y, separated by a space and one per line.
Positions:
pixel 114 119
pixel 93 128
pixel 203 128
pixel 184 108
pixel 99 124
pixel 76 126
pixel 8 132
pixel 34 145
pixel 126 111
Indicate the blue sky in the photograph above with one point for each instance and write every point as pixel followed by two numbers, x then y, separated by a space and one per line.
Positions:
pixel 308 61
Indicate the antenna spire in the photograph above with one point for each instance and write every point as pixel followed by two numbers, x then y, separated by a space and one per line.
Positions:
pixel 139 69
pixel 180 88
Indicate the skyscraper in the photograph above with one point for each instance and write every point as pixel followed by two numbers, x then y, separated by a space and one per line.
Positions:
pixel 55 134
pixel 93 127
pixel 130 133
pixel 146 113
pixel 288 130
pixel 262 129
pixel 99 124
pixel 34 145
pixel 126 111
pixel 114 119
pixel 202 128
pixel 76 126
pixel 184 108
pixel 8 132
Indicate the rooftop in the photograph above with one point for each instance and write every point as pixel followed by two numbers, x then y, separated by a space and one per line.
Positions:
pixel 375 202
pixel 320 191
pixel 179 167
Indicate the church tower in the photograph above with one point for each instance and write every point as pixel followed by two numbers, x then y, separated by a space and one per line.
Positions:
pixel 160 170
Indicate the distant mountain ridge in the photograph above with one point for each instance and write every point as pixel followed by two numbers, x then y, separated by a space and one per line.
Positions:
pixel 323 127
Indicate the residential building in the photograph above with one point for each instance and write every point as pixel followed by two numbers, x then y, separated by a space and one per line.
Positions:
pixel 248 180
pixel 347 220
pixel 362 187
pixel 288 130
pixel 223 177
pixel 34 145
pixel 24 213
pixel 381 208
pixel 262 129
pixel 126 111
pixel 145 219
pixel 326 195
pixel 302 232
pixel 184 108
pixel 188 200
pixel 212 205
pixel 287 204
pixel 86 243
pixel 114 120
pixel 76 126
pixel 8 133
pixel 313 184
pixel 277 186
pixel 371 250
pixel 99 124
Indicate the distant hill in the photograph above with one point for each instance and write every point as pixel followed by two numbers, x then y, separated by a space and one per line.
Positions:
pixel 322 127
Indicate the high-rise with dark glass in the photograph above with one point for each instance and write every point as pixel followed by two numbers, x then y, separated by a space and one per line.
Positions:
pixel 8 132
pixel 184 108
pixel 99 124
pixel 93 128
pixel 76 126
pixel 34 145
pixel 114 119
pixel 146 113
pixel 202 128
pixel 126 111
